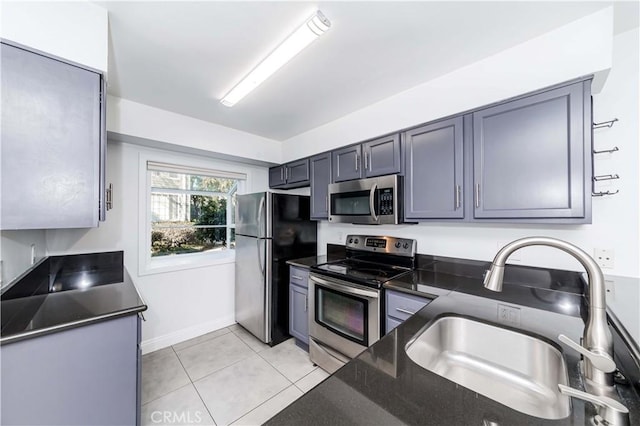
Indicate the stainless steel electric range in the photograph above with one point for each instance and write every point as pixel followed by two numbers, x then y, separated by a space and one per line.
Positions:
pixel 345 297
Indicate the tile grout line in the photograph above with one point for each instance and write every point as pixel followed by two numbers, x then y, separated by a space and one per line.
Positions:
pixel 263 403
pixel 194 387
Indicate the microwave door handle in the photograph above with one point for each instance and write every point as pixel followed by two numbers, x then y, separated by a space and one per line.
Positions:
pixel 372 198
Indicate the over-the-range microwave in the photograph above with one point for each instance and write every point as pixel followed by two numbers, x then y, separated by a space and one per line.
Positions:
pixel 372 201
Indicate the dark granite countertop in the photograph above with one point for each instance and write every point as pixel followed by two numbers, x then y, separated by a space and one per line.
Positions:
pixel 382 386
pixel 308 262
pixel 62 292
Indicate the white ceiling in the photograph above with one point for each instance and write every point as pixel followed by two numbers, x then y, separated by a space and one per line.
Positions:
pixel 183 56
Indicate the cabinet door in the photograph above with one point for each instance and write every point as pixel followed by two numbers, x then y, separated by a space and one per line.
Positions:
pixel 382 156
pixel 298 313
pixel 346 163
pixel 297 171
pixel 320 179
pixel 51 142
pixel 434 170
pixel 276 176
pixel 528 156
pixel 80 376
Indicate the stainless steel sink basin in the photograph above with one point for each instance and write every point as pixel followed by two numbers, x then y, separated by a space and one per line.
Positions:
pixel 514 369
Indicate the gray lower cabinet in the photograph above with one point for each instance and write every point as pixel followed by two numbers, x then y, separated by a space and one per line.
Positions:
pixel 434 164
pixel 400 306
pixel 291 175
pixel 531 156
pixel 87 375
pixel 320 174
pixel 377 157
pixel 53 142
pixel 299 304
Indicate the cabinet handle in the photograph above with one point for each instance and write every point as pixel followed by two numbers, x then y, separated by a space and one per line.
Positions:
pixel 457 197
pixel 477 195
pixel 109 197
pixel 296 277
pixel 366 161
pixel 306 304
pixel 281 173
pixel 405 311
pixel 326 203
pixel 357 161
pixel 286 173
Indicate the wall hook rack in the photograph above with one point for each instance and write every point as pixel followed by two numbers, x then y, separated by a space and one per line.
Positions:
pixel 614 149
pixel 602 124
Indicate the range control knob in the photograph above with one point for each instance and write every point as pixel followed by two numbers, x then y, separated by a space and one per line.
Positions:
pixel 356 241
pixel 405 246
pixel 350 240
pixel 398 244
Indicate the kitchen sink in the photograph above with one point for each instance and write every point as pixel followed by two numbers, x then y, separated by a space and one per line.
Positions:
pixel 514 369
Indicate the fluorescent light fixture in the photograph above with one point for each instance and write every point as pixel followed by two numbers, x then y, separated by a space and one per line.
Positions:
pixel 313 28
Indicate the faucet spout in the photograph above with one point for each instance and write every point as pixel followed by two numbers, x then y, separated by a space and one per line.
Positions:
pixel 597 337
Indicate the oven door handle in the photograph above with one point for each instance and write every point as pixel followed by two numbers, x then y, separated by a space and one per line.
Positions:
pixel 345 288
pixel 372 205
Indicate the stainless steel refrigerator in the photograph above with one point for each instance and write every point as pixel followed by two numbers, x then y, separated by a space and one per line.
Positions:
pixel 271 228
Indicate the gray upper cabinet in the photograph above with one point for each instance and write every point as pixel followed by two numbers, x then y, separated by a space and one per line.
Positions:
pixel 434 170
pixel 276 176
pixel 345 163
pixel 382 156
pixel 320 171
pixel 52 142
pixel 372 158
pixel 291 175
pixel 531 156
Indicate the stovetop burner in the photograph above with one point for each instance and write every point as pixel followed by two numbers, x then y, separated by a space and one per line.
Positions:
pixel 367 273
pixel 372 261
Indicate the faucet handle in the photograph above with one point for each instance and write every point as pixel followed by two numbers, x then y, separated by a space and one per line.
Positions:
pixel 613 412
pixel 602 362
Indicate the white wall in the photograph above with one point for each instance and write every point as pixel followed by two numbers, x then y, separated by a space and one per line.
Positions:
pixel 182 304
pixel 615 218
pixel 76 31
pixel 580 48
pixel 130 118
pixel 15 252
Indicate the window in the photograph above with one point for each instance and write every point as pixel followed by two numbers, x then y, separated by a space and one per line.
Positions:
pixel 189 210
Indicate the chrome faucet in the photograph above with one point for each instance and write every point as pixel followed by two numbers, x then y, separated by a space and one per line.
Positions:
pixel 597 342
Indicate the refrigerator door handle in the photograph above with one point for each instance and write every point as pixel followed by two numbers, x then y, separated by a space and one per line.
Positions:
pixel 258 242
pixel 260 209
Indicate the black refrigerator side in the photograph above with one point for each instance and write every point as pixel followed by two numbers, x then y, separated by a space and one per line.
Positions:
pixel 294 235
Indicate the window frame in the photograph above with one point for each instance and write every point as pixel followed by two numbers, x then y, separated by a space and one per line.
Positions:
pixel 147 264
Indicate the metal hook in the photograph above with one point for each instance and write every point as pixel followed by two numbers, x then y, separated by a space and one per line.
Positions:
pixel 604 124
pixel 602 194
pixel 606 177
pixel 614 149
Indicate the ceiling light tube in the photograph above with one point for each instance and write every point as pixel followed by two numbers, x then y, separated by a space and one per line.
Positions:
pixel 313 28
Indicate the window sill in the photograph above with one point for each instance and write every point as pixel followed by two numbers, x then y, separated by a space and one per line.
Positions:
pixel 173 263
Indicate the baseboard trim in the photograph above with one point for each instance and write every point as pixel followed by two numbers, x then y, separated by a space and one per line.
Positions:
pixel 185 334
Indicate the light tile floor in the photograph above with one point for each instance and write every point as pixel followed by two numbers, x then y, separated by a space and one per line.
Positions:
pixel 224 377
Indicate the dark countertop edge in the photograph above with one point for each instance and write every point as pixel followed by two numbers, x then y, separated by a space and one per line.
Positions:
pixel 69 325
pixel 304 262
pixel 130 310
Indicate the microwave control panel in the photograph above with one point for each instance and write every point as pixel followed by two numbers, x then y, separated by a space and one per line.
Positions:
pixel 385 201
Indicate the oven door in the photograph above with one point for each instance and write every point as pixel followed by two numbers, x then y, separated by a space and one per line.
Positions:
pixel 344 316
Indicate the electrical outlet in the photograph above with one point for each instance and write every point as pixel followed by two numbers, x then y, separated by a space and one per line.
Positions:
pixel 604 257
